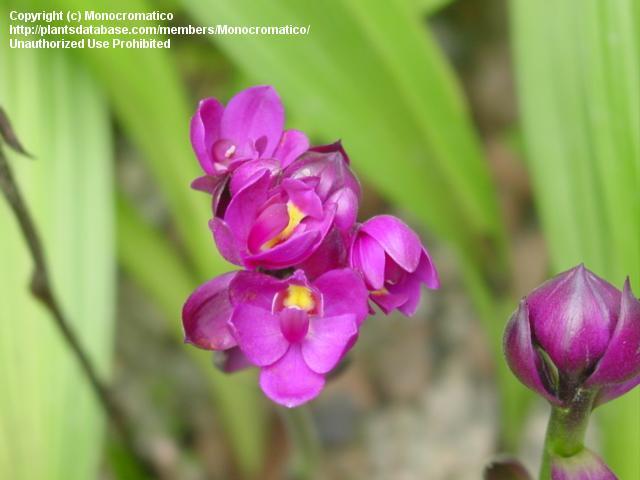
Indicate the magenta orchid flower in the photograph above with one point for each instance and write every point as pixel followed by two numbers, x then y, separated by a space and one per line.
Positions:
pixel 274 227
pixel 250 127
pixel 294 330
pixel 394 263
pixel 276 219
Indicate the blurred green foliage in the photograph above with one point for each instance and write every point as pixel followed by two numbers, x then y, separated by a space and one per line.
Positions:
pixel 370 73
pixel 50 425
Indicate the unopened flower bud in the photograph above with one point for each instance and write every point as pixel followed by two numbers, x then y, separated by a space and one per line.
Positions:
pixel 576 331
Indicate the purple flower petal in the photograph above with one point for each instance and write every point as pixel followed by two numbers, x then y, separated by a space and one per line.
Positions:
pixel 343 292
pixel 330 255
pixel 225 241
pixel 289 381
pixel 573 317
pixel 292 144
pixel 333 148
pixel 207 183
pixel 303 197
pixel 258 334
pixel 427 271
pixel 368 257
pixel 327 340
pixel 621 360
pixel 205 130
pixel 610 392
pixel 206 313
pixel 255 288
pixel 346 203
pixel 521 356
pixel 256 116
pixel 408 287
pixel 388 301
pixel 267 226
pixel 232 360
pixel 248 171
pixel 287 253
pixel 244 206
pixel 397 239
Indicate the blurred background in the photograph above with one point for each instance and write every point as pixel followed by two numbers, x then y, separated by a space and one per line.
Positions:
pixel 506 132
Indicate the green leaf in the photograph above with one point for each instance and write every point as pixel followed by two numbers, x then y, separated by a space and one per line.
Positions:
pixel 50 423
pixel 578 68
pixel 429 7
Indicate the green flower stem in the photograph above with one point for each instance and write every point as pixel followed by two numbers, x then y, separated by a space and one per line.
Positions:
pixel 305 443
pixel 566 430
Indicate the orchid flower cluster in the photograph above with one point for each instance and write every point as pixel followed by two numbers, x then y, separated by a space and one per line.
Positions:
pixel 286 214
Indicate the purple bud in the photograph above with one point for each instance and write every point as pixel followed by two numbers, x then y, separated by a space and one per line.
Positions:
pixel 331 148
pixel 576 331
pixel 330 165
pixel 505 468
pixel 393 262
pixel 585 465
pixel 206 313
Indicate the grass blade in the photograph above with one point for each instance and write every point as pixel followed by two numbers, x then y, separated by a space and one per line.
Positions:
pixel 50 424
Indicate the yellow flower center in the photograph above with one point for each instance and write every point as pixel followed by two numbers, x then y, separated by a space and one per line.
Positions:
pixel 380 292
pixel 295 217
pixel 299 297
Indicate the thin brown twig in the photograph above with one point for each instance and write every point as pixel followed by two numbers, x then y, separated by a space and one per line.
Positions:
pixel 41 288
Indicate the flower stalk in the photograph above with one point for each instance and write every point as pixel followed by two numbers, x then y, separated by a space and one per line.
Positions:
pixel 305 442
pixel 566 430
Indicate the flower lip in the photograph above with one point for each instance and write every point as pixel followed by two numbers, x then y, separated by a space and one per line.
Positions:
pixel 298 297
pixel 294 324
